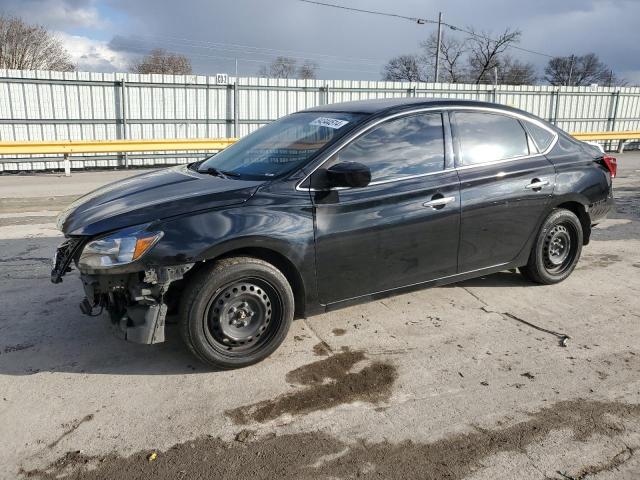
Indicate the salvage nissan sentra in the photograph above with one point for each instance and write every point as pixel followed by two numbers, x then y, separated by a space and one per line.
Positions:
pixel 328 207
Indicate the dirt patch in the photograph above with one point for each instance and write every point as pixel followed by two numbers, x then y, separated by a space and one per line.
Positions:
pixel 318 455
pixel 328 383
pixel 321 349
pixel 338 332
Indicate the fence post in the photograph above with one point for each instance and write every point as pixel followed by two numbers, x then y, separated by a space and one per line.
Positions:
pixel 236 113
pixel 229 115
pixel 123 116
pixel 556 107
pixel 613 115
pixel 67 165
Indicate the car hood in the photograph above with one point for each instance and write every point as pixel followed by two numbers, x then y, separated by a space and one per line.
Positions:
pixel 151 196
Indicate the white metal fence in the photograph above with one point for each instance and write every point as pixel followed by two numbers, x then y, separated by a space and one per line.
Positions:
pixel 39 105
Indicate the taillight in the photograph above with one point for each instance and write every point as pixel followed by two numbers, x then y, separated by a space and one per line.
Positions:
pixel 612 164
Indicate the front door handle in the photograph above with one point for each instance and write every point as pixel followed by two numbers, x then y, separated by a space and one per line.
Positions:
pixel 439 202
pixel 537 184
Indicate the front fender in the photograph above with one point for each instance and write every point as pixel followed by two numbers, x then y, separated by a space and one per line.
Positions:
pixel 284 230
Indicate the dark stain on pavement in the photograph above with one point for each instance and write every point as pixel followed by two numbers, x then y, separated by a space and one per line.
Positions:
pixel 27 220
pixel 55 300
pixel 338 332
pixel 18 347
pixel 327 383
pixel 317 455
pixel 599 260
pixel 70 428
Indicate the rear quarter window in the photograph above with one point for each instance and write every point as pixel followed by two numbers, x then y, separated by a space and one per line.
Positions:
pixel 541 136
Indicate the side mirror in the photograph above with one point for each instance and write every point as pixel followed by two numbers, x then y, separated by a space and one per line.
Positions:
pixel 348 174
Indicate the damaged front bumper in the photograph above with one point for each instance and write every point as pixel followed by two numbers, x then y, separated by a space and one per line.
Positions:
pixel 136 302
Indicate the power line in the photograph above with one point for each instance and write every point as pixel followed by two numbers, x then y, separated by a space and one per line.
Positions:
pixel 422 21
pixel 373 12
pixel 259 50
pixel 474 34
pixel 147 49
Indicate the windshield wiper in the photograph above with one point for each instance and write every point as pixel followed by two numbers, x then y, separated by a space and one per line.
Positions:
pixel 194 166
pixel 219 173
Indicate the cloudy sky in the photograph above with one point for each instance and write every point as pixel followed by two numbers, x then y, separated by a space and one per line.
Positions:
pixel 105 35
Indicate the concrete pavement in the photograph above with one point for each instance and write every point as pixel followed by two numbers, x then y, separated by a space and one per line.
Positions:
pixel 440 383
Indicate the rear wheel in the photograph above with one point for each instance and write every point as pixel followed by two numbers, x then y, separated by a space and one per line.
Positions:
pixel 556 250
pixel 236 312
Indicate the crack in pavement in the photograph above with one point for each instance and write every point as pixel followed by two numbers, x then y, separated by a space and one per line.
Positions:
pixel 74 426
pixel 609 465
pixel 317 335
pixel 477 297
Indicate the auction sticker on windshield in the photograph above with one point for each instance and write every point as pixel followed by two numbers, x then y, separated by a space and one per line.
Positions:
pixel 329 122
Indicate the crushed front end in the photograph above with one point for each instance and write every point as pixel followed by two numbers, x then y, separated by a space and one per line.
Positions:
pixel 116 280
pixel 135 302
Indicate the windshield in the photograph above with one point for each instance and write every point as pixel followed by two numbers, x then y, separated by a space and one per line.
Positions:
pixel 281 146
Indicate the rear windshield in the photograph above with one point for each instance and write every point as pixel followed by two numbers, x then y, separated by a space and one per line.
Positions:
pixel 281 146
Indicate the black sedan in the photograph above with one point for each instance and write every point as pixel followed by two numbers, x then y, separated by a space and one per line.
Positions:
pixel 328 207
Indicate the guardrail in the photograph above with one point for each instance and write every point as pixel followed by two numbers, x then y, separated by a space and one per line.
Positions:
pixel 67 148
pixel 609 136
pixel 113 146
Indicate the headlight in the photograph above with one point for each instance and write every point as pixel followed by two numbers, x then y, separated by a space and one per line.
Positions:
pixel 119 248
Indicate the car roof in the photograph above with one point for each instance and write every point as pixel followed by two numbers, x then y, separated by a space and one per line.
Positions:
pixel 389 105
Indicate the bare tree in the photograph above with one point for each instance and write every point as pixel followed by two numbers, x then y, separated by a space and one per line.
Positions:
pixel 485 52
pixel 281 67
pixel 576 70
pixel 161 61
pixel 403 68
pixel 31 47
pixel 308 70
pixel 452 52
pixel 514 72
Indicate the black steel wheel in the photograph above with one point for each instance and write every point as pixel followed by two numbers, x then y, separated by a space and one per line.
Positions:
pixel 556 250
pixel 240 315
pixel 236 312
pixel 560 248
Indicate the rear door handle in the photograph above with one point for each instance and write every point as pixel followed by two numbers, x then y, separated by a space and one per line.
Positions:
pixel 439 202
pixel 537 184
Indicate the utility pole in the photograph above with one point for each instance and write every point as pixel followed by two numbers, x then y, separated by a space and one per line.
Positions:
pixel 437 70
pixel 573 59
pixel 495 76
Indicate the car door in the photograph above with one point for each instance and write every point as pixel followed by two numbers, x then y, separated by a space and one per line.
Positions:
pixel 403 228
pixel 505 186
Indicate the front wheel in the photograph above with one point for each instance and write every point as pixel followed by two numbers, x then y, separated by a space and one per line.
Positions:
pixel 237 312
pixel 556 250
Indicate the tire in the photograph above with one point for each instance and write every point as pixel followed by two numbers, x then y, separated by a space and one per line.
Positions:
pixel 236 312
pixel 550 260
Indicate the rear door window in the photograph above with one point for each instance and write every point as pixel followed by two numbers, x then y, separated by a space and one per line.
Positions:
pixel 489 137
